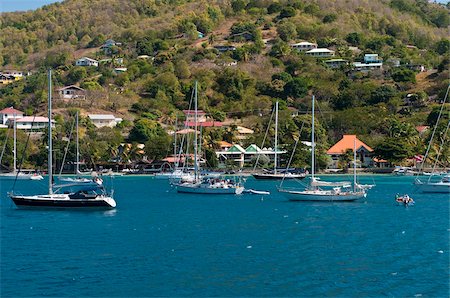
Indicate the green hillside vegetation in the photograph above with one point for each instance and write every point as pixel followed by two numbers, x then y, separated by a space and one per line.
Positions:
pixel 168 45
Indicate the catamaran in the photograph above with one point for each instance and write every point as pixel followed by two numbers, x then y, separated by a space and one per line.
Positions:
pixel 89 197
pixel 340 191
pixel 205 185
pixel 276 174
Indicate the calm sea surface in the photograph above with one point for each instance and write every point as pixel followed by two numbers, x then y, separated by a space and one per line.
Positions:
pixel 161 243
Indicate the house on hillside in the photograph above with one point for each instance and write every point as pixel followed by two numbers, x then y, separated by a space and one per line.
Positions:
pixel 304 46
pixel 335 63
pixel 85 61
pixel 225 48
pixel 202 119
pixel 107 47
pixel 236 154
pixel 102 120
pixel 242 36
pixel 371 62
pixel 8 114
pixel 363 151
pixel 320 53
pixel 6 79
pixel 243 132
pixel 33 122
pixel 71 92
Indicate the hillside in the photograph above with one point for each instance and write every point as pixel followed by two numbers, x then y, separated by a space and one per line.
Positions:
pixel 242 55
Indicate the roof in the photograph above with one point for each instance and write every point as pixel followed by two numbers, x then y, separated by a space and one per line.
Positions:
pixel 204 124
pixel 361 64
pixel 192 112
pixel 87 58
pixel 224 144
pixel 186 131
pixel 370 55
pixel 236 149
pixel 252 149
pixel 101 117
pixel 422 128
pixel 320 50
pixel 244 130
pixel 35 119
pixel 347 142
pixel 11 110
pixel 70 87
pixel 335 60
pixel 303 43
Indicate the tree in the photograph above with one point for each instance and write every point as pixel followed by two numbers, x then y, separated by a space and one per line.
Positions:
pixel 296 88
pixel 182 69
pixel 393 149
pixel 329 18
pixel 158 146
pixel 354 38
pixel 76 74
pixel 287 12
pixel 144 130
pixel 442 47
pixel 274 7
pixel 383 93
pixel 238 5
pixel 403 75
pixel 287 31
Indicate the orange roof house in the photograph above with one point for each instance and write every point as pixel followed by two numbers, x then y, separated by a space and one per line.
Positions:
pixel 347 142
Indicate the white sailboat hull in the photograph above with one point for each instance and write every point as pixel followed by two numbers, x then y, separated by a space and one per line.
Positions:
pixel 434 187
pixel 62 201
pixel 207 189
pixel 21 176
pixel 322 195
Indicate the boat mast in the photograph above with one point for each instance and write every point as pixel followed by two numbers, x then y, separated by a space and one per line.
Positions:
pixel 50 145
pixel 313 145
pixel 276 136
pixel 195 138
pixel 15 145
pixel 77 167
pixel 175 142
pixel 354 164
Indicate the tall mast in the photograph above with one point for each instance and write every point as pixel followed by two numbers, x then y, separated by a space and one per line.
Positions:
pixel 195 138
pixel 354 164
pixel 15 145
pixel 313 145
pixel 77 169
pixel 276 136
pixel 175 142
pixel 50 145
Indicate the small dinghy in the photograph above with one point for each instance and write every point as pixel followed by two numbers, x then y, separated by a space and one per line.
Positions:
pixel 258 192
pixel 405 200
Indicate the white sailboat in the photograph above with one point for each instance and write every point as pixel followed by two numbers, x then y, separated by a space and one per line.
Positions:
pixel 340 191
pixel 15 174
pixel 276 174
pixel 435 182
pixel 205 185
pixel 89 197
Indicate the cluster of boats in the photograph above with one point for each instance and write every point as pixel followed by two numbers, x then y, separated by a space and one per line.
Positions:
pixel 85 192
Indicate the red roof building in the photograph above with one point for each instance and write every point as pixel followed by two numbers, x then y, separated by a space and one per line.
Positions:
pixel 347 142
pixel 9 113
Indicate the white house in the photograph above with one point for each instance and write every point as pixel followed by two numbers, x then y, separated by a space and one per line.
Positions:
pixel 304 46
pixel 71 92
pixel 371 61
pixel 7 114
pixel 85 61
pixel 33 122
pixel 102 120
pixel 320 52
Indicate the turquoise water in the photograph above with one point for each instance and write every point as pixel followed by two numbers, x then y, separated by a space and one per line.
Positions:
pixel 161 243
